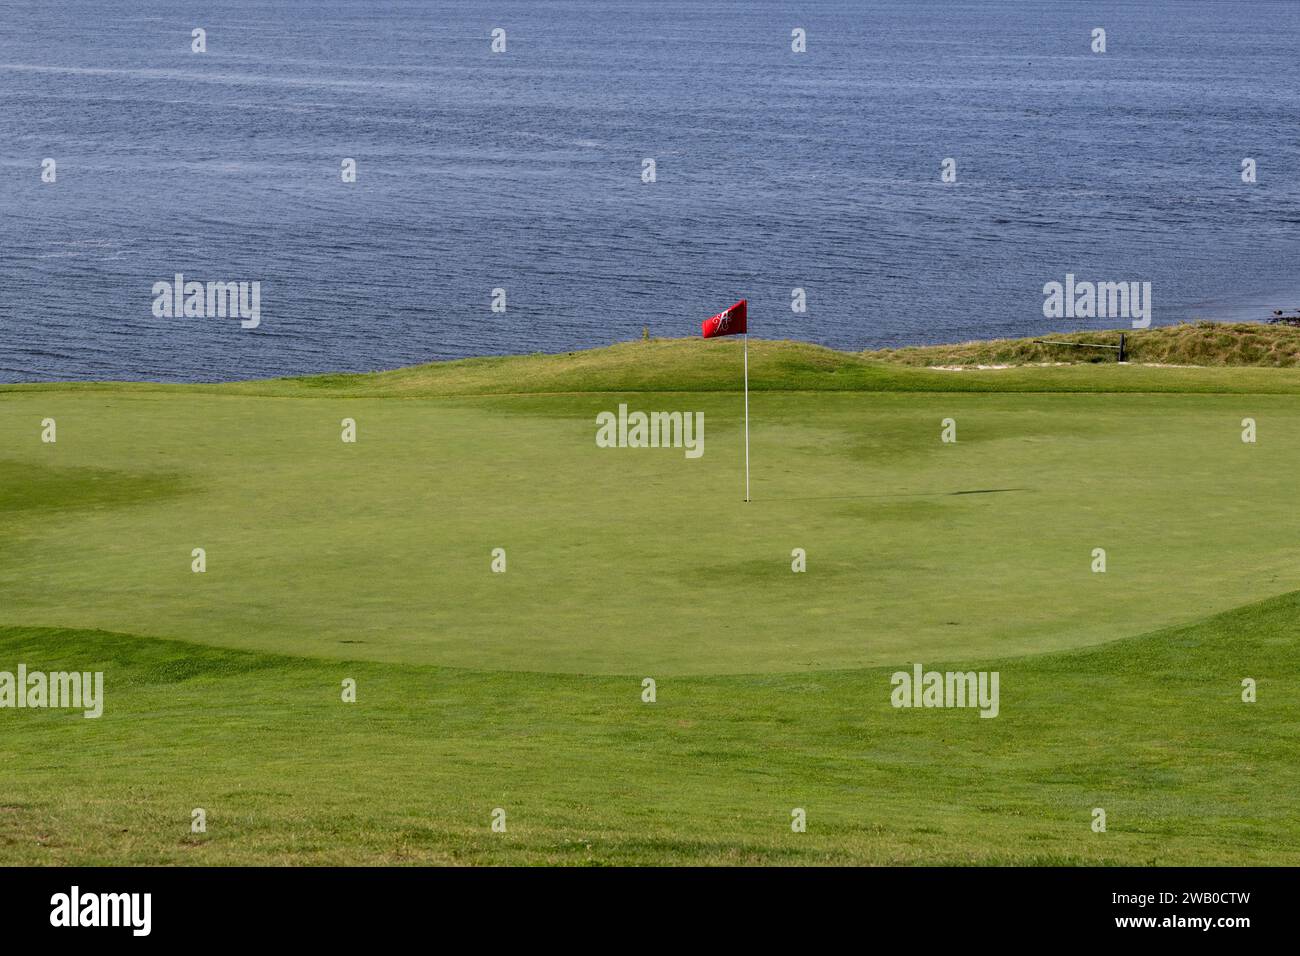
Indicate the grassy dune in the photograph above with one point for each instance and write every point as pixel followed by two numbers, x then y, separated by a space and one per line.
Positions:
pixel 521 690
pixel 1240 358
pixel 1200 343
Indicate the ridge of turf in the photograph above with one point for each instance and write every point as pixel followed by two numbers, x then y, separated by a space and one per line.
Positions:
pixel 1231 359
pixel 177 656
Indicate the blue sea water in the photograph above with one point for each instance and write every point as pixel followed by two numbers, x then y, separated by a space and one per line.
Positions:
pixel 522 170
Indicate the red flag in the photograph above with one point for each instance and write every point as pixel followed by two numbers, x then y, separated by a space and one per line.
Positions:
pixel 728 322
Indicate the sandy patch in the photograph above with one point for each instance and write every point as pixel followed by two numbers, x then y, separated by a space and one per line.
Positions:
pixel 990 368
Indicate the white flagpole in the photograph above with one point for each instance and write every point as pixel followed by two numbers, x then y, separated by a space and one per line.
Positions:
pixel 746 415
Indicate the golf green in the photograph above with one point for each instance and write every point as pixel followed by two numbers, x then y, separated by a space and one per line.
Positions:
pixel 375 560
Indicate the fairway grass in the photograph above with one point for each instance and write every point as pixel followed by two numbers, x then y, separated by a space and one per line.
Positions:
pixel 371 561
pixel 1150 729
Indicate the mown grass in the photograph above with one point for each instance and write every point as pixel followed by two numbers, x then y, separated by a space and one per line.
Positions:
pixel 642 560
pixel 371 561
pixel 1153 730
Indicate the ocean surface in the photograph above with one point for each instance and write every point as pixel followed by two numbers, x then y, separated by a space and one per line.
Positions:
pixel 522 170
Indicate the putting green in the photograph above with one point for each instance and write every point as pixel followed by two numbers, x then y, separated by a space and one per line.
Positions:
pixel 642 561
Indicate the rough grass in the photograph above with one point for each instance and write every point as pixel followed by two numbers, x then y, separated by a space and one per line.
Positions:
pixel 1239 358
pixel 1200 343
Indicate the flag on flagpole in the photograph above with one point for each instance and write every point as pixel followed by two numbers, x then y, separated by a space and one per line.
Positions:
pixel 731 321
pixel 734 321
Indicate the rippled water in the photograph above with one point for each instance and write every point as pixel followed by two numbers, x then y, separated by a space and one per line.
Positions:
pixel 522 171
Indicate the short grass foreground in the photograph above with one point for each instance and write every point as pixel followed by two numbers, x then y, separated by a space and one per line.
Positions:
pixel 372 562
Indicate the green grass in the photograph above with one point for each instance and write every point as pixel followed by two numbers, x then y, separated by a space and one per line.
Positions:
pixel 691 365
pixel 522 690
pixel 1152 730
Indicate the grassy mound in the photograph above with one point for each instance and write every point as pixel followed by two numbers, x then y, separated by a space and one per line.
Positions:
pixel 1200 343
pixel 1211 358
